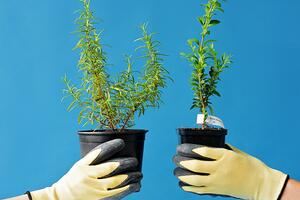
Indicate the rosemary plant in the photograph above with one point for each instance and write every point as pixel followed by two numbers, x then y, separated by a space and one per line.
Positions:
pixel 113 103
pixel 207 64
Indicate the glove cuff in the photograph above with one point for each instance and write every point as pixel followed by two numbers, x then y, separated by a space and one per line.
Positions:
pixel 43 194
pixel 283 188
pixel 28 195
pixel 273 185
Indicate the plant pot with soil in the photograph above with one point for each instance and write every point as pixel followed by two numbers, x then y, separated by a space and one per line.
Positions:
pixel 207 66
pixel 111 105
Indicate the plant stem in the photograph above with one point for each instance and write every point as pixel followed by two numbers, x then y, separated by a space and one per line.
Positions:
pixel 202 63
pixel 127 119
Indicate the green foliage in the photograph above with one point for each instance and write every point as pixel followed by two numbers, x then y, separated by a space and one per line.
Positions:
pixel 113 102
pixel 207 64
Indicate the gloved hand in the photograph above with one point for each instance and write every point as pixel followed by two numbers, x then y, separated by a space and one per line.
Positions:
pixel 89 180
pixel 205 170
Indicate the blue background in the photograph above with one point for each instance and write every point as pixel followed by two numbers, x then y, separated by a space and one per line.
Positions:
pixel 259 105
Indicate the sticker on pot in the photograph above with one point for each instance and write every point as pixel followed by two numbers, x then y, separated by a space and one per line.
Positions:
pixel 211 121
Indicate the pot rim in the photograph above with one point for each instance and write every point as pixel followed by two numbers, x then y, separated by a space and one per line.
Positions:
pixel 110 132
pixel 200 129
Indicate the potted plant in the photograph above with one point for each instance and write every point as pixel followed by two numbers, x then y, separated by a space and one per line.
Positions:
pixel 109 104
pixel 207 66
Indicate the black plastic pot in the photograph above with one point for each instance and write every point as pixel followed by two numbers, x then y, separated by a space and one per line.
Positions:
pixel 133 138
pixel 211 137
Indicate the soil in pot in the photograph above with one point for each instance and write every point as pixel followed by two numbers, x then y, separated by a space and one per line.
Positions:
pixel 133 138
pixel 212 137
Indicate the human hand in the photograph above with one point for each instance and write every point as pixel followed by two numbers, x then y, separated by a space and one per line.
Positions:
pixel 206 170
pixel 92 179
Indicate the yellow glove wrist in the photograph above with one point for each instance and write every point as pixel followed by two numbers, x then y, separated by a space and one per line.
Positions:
pixel 272 185
pixel 44 194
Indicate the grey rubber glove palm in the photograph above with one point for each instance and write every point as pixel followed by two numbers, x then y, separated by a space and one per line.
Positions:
pixel 96 176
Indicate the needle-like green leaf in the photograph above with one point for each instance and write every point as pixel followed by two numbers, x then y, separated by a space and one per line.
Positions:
pixel 113 102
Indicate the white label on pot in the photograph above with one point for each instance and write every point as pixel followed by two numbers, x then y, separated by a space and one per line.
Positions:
pixel 211 120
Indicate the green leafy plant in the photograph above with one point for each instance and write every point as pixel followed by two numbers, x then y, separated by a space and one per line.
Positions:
pixel 113 102
pixel 207 64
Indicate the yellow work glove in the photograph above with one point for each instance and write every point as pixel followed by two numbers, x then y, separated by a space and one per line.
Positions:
pixel 99 181
pixel 205 170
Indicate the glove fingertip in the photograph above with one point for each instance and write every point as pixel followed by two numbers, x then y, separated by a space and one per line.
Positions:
pixel 189 150
pixel 125 165
pixel 132 188
pixel 182 184
pixel 181 172
pixel 135 187
pixel 186 148
pixel 133 177
pixel 178 159
pixel 108 149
